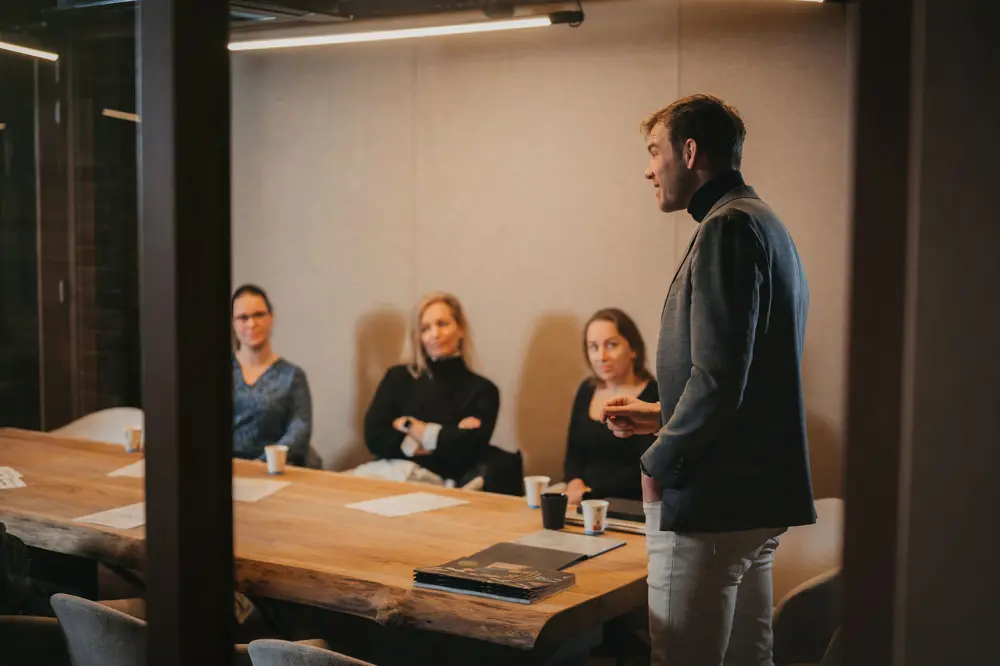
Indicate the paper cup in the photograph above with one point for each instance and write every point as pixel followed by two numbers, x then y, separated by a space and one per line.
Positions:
pixel 595 516
pixel 276 455
pixel 533 487
pixel 133 439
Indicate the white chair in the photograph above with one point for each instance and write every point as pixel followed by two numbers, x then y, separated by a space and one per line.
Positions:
pixel 807 551
pixel 107 425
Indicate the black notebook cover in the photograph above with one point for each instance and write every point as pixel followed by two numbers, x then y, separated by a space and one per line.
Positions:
pixel 484 574
pixel 623 509
pixel 533 556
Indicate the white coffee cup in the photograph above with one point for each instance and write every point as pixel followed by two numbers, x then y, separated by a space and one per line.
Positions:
pixel 533 488
pixel 276 455
pixel 595 516
pixel 133 439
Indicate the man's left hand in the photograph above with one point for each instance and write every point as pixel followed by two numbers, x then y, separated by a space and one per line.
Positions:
pixel 651 491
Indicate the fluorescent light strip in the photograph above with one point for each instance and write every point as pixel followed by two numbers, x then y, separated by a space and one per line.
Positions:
pixel 120 115
pixel 382 35
pixel 24 50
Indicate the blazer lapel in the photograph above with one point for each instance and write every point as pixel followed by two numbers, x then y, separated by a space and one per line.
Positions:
pixel 731 195
pixel 694 236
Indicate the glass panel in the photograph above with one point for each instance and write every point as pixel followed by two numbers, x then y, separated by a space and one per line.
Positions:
pixel 69 311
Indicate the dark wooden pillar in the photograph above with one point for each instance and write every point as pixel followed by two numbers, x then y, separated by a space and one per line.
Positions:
pixel 877 313
pixel 186 376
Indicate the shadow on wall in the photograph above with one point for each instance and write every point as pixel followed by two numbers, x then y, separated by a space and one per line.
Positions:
pixel 552 371
pixel 826 457
pixel 379 340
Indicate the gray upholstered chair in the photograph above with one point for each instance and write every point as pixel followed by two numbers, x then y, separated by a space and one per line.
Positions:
pixel 37 641
pixel 283 653
pixel 106 634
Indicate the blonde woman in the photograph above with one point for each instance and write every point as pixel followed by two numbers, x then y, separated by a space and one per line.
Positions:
pixel 434 409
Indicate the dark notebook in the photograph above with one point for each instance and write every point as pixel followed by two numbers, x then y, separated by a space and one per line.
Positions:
pixel 623 509
pixel 532 556
pixel 491 573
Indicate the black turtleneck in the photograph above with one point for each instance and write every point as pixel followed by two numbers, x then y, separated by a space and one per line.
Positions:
pixel 709 193
pixel 446 395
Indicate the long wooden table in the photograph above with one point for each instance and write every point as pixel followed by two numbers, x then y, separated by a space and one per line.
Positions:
pixel 302 545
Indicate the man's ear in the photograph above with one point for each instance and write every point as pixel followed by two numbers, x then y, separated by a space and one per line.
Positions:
pixel 690 153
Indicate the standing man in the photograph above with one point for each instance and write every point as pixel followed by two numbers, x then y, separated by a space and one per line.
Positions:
pixel 729 470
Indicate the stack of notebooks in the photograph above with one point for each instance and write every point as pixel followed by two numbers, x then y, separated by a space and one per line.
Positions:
pixel 524 571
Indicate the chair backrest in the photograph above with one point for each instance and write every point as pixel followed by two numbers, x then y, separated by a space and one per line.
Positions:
pixel 833 652
pixel 503 472
pixel 13 572
pixel 35 641
pixel 283 653
pixel 809 550
pixel 107 425
pixel 806 619
pixel 100 636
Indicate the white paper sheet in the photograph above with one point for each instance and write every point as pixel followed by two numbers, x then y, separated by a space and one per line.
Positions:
pixel 10 478
pixel 404 505
pixel 252 490
pixel 136 469
pixel 123 518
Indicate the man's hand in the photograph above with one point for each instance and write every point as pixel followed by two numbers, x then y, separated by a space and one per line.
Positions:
pixel 651 491
pixel 469 423
pixel 575 490
pixel 627 416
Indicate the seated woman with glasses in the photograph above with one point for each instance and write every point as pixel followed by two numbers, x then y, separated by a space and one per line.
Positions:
pixel 434 410
pixel 271 401
pixel 598 463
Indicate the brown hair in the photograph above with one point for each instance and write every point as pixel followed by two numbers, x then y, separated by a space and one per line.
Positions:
pixel 715 126
pixel 417 360
pixel 628 330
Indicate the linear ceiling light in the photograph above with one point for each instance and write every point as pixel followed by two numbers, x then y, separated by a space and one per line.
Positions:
pixel 570 17
pixel 120 115
pixel 24 50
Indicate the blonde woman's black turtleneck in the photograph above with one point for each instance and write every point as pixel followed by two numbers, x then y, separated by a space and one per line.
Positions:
pixel 447 394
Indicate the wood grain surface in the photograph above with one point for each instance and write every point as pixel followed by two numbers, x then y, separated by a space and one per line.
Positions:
pixel 303 545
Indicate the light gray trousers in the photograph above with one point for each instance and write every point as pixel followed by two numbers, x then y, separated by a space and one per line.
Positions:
pixel 710 595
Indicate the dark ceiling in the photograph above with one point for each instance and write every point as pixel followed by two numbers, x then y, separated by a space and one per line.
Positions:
pixel 27 14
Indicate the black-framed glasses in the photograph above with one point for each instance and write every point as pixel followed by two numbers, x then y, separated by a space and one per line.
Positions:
pixel 256 316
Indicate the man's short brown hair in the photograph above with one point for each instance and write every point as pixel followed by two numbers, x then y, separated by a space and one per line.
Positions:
pixel 715 126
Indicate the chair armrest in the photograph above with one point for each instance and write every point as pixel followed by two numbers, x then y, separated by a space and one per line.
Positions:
pixel 815 581
pixel 475 484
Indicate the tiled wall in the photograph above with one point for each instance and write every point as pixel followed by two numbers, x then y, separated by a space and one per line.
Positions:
pixel 106 242
pixel 19 379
